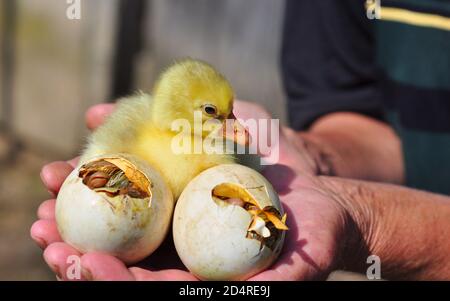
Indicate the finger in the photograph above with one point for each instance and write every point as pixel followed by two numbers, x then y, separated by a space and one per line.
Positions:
pixel 264 126
pixel 285 272
pixel 249 110
pixel 270 275
pixel 64 261
pixel 96 115
pixel 98 266
pixel 74 162
pixel 54 174
pixel 299 261
pixel 163 275
pixel 46 210
pixel 45 232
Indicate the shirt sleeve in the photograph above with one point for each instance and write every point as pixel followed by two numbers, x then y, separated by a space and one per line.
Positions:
pixel 328 60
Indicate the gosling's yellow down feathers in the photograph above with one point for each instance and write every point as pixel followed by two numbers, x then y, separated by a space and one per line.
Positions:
pixel 141 124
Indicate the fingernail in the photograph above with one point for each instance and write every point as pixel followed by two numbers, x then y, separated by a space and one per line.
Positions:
pixel 44 180
pixel 40 242
pixel 56 270
pixel 41 174
pixel 52 194
pixel 87 275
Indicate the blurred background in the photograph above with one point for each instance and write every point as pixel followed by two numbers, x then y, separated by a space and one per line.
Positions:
pixel 53 68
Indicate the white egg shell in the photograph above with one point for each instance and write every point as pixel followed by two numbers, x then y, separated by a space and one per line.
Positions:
pixel 210 236
pixel 121 226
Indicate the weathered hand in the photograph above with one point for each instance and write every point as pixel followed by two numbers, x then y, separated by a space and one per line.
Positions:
pixel 317 223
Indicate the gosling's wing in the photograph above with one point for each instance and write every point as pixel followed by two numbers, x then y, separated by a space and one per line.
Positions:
pixel 118 133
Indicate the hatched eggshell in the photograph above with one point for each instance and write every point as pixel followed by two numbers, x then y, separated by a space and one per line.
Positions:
pixel 210 236
pixel 125 227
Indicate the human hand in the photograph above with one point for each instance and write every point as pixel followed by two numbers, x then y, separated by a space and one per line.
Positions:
pixel 297 149
pixel 316 223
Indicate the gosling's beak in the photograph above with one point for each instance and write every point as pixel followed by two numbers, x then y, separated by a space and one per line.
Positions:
pixel 235 131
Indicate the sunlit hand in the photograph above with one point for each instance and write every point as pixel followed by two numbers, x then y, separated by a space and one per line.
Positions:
pixel 317 223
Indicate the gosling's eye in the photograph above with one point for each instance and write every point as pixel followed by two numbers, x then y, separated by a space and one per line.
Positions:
pixel 210 110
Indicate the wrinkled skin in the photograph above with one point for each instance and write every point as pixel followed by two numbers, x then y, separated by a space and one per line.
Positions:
pixel 317 222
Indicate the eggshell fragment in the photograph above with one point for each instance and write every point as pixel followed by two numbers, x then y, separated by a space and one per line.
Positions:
pixel 228 238
pixel 129 223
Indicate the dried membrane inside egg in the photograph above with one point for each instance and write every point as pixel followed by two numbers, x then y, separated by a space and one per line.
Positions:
pixel 266 224
pixel 116 176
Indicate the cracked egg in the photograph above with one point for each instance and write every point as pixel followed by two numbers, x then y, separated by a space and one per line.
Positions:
pixel 115 204
pixel 228 224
